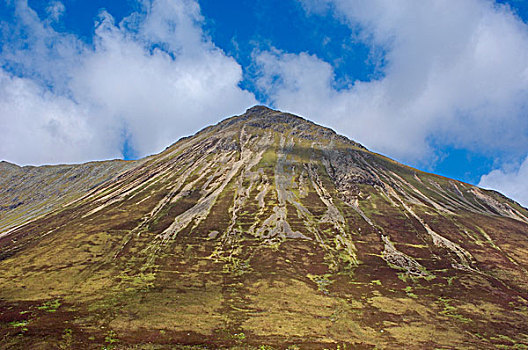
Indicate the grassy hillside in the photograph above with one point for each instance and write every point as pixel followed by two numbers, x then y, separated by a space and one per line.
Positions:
pixel 267 231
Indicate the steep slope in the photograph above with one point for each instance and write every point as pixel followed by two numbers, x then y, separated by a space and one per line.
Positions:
pixel 269 230
pixel 29 192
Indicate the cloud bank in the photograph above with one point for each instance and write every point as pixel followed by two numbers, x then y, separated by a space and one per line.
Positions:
pixel 452 73
pixel 148 80
pixel 511 181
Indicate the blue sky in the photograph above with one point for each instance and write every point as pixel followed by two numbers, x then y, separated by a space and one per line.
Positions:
pixel 438 85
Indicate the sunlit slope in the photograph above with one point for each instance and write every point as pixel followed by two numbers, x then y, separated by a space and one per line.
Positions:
pixel 269 230
pixel 29 192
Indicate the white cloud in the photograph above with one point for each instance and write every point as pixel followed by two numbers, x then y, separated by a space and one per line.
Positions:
pixel 55 10
pixel 153 77
pixel 456 74
pixel 511 181
pixel 38 126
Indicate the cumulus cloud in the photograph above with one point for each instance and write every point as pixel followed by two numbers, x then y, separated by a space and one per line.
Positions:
pixel 511 181
pixel 38 126
pixel 152 78
pixel 55 10
pixel 453 73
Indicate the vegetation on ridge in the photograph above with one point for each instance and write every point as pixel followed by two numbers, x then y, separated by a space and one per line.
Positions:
pixel 268 232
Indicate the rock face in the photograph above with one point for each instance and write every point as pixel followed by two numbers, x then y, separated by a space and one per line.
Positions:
pixel 263 230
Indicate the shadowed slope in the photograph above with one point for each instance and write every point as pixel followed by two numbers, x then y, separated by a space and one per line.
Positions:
pixel 267 229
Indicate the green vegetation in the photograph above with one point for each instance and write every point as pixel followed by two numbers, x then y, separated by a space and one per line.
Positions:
pixel 239 336
pixel 16 324
pixel 50 306
pixel 67 339
pixel 292 256
pixel 110 340
pixel 450 310
pixel 408 290
pixel 322 282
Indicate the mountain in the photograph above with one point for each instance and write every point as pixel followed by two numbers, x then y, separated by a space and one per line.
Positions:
pixel 29 192
pixel 265 231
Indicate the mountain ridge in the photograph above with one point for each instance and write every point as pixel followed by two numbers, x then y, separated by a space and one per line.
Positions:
pixel 255 111
pixel 268 230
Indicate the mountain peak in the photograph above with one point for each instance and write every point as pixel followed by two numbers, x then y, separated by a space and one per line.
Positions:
pixel 265 118
pixel 259 109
